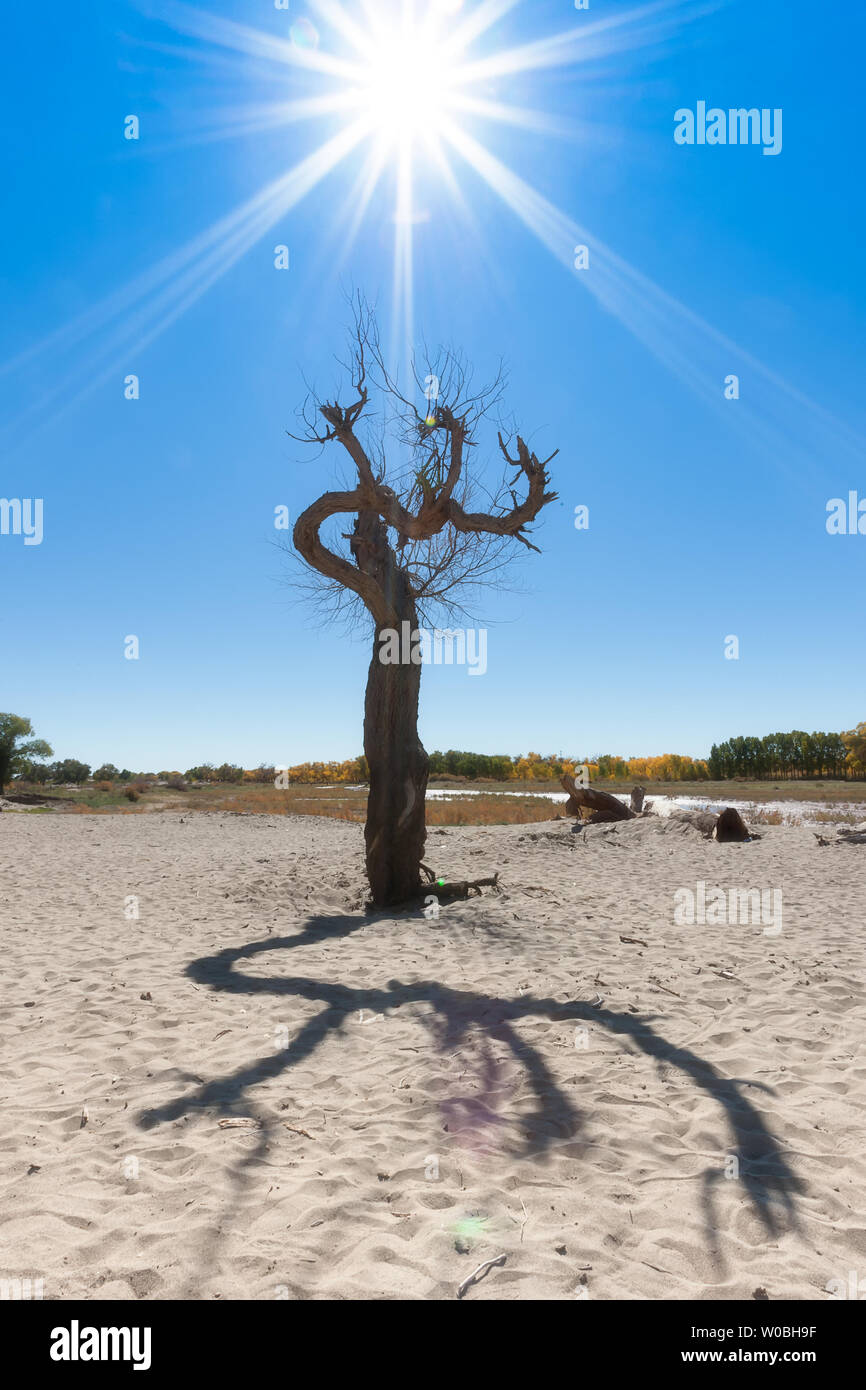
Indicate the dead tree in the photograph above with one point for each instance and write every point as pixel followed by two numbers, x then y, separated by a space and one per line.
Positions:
pixel 727 826
pixel 603 806
pixel 413 544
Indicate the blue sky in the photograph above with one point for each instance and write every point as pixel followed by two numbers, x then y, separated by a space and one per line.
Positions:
pixel 707 516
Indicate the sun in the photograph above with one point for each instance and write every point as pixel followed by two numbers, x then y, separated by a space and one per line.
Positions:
pixel 417 100
pixel 409 87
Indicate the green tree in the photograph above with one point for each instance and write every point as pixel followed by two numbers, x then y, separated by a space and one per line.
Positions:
pixel 37 773
pixel 70 770
pixel 15 755
pixel 227 772
pixel 716 763
pixel 107 773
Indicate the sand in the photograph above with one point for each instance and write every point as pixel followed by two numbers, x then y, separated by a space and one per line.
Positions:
pixel 676 1116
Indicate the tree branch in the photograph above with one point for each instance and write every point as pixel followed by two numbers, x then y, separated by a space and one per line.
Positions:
pixel 317 555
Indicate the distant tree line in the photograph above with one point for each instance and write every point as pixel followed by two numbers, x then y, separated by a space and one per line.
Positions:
pixel 71 770
pixel 785 756
pixel 352 770
pixel 537 767
pixel 226 772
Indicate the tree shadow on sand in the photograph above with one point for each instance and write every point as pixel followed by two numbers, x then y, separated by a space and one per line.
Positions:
pixel 766 1177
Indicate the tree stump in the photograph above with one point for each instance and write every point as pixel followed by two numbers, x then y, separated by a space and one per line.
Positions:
pixel 730 827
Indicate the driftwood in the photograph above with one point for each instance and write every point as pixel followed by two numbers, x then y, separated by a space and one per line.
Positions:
pixel 705 821
pixel 477 1273
pixel 731 827
pixel 458 888
pixel 727 827
pixel 846 835
pixel 603 806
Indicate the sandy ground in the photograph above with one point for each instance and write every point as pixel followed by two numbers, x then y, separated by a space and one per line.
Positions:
pixel 679 1115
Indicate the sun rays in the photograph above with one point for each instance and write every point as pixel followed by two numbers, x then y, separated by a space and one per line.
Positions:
pixel 407 92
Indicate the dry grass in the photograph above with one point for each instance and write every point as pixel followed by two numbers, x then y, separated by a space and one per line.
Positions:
pixel 488 805
pixel 341 804
pixel 267 801
pixel 762 816
pixel 759 817
pixel 492 810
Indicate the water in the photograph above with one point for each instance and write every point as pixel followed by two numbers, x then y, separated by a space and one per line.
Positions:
pixel 792 812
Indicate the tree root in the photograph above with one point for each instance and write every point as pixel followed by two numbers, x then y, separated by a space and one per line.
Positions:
pixel 454 890
pixel 459 888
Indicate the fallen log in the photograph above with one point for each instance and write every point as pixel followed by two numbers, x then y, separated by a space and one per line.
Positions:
pixel 728 826
pixel 603 806
pixel 846 835
pixel 705 821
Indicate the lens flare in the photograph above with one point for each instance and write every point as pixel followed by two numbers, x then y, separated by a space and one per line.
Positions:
pixel 304 35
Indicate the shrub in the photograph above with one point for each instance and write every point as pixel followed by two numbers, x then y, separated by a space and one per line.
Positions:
pixel 131 793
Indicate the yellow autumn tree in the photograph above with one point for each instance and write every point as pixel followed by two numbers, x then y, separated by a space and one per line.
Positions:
pixel 855 743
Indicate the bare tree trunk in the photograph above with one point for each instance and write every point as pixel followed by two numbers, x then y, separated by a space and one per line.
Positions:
pixel 395 831
pixel 389 581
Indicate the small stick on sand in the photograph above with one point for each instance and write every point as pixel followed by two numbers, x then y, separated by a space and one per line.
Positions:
pixel 522 1223
pixel 525 1219
pixel 297 1131
pixel 633 940
pixel 482 1269
pixel 665 988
